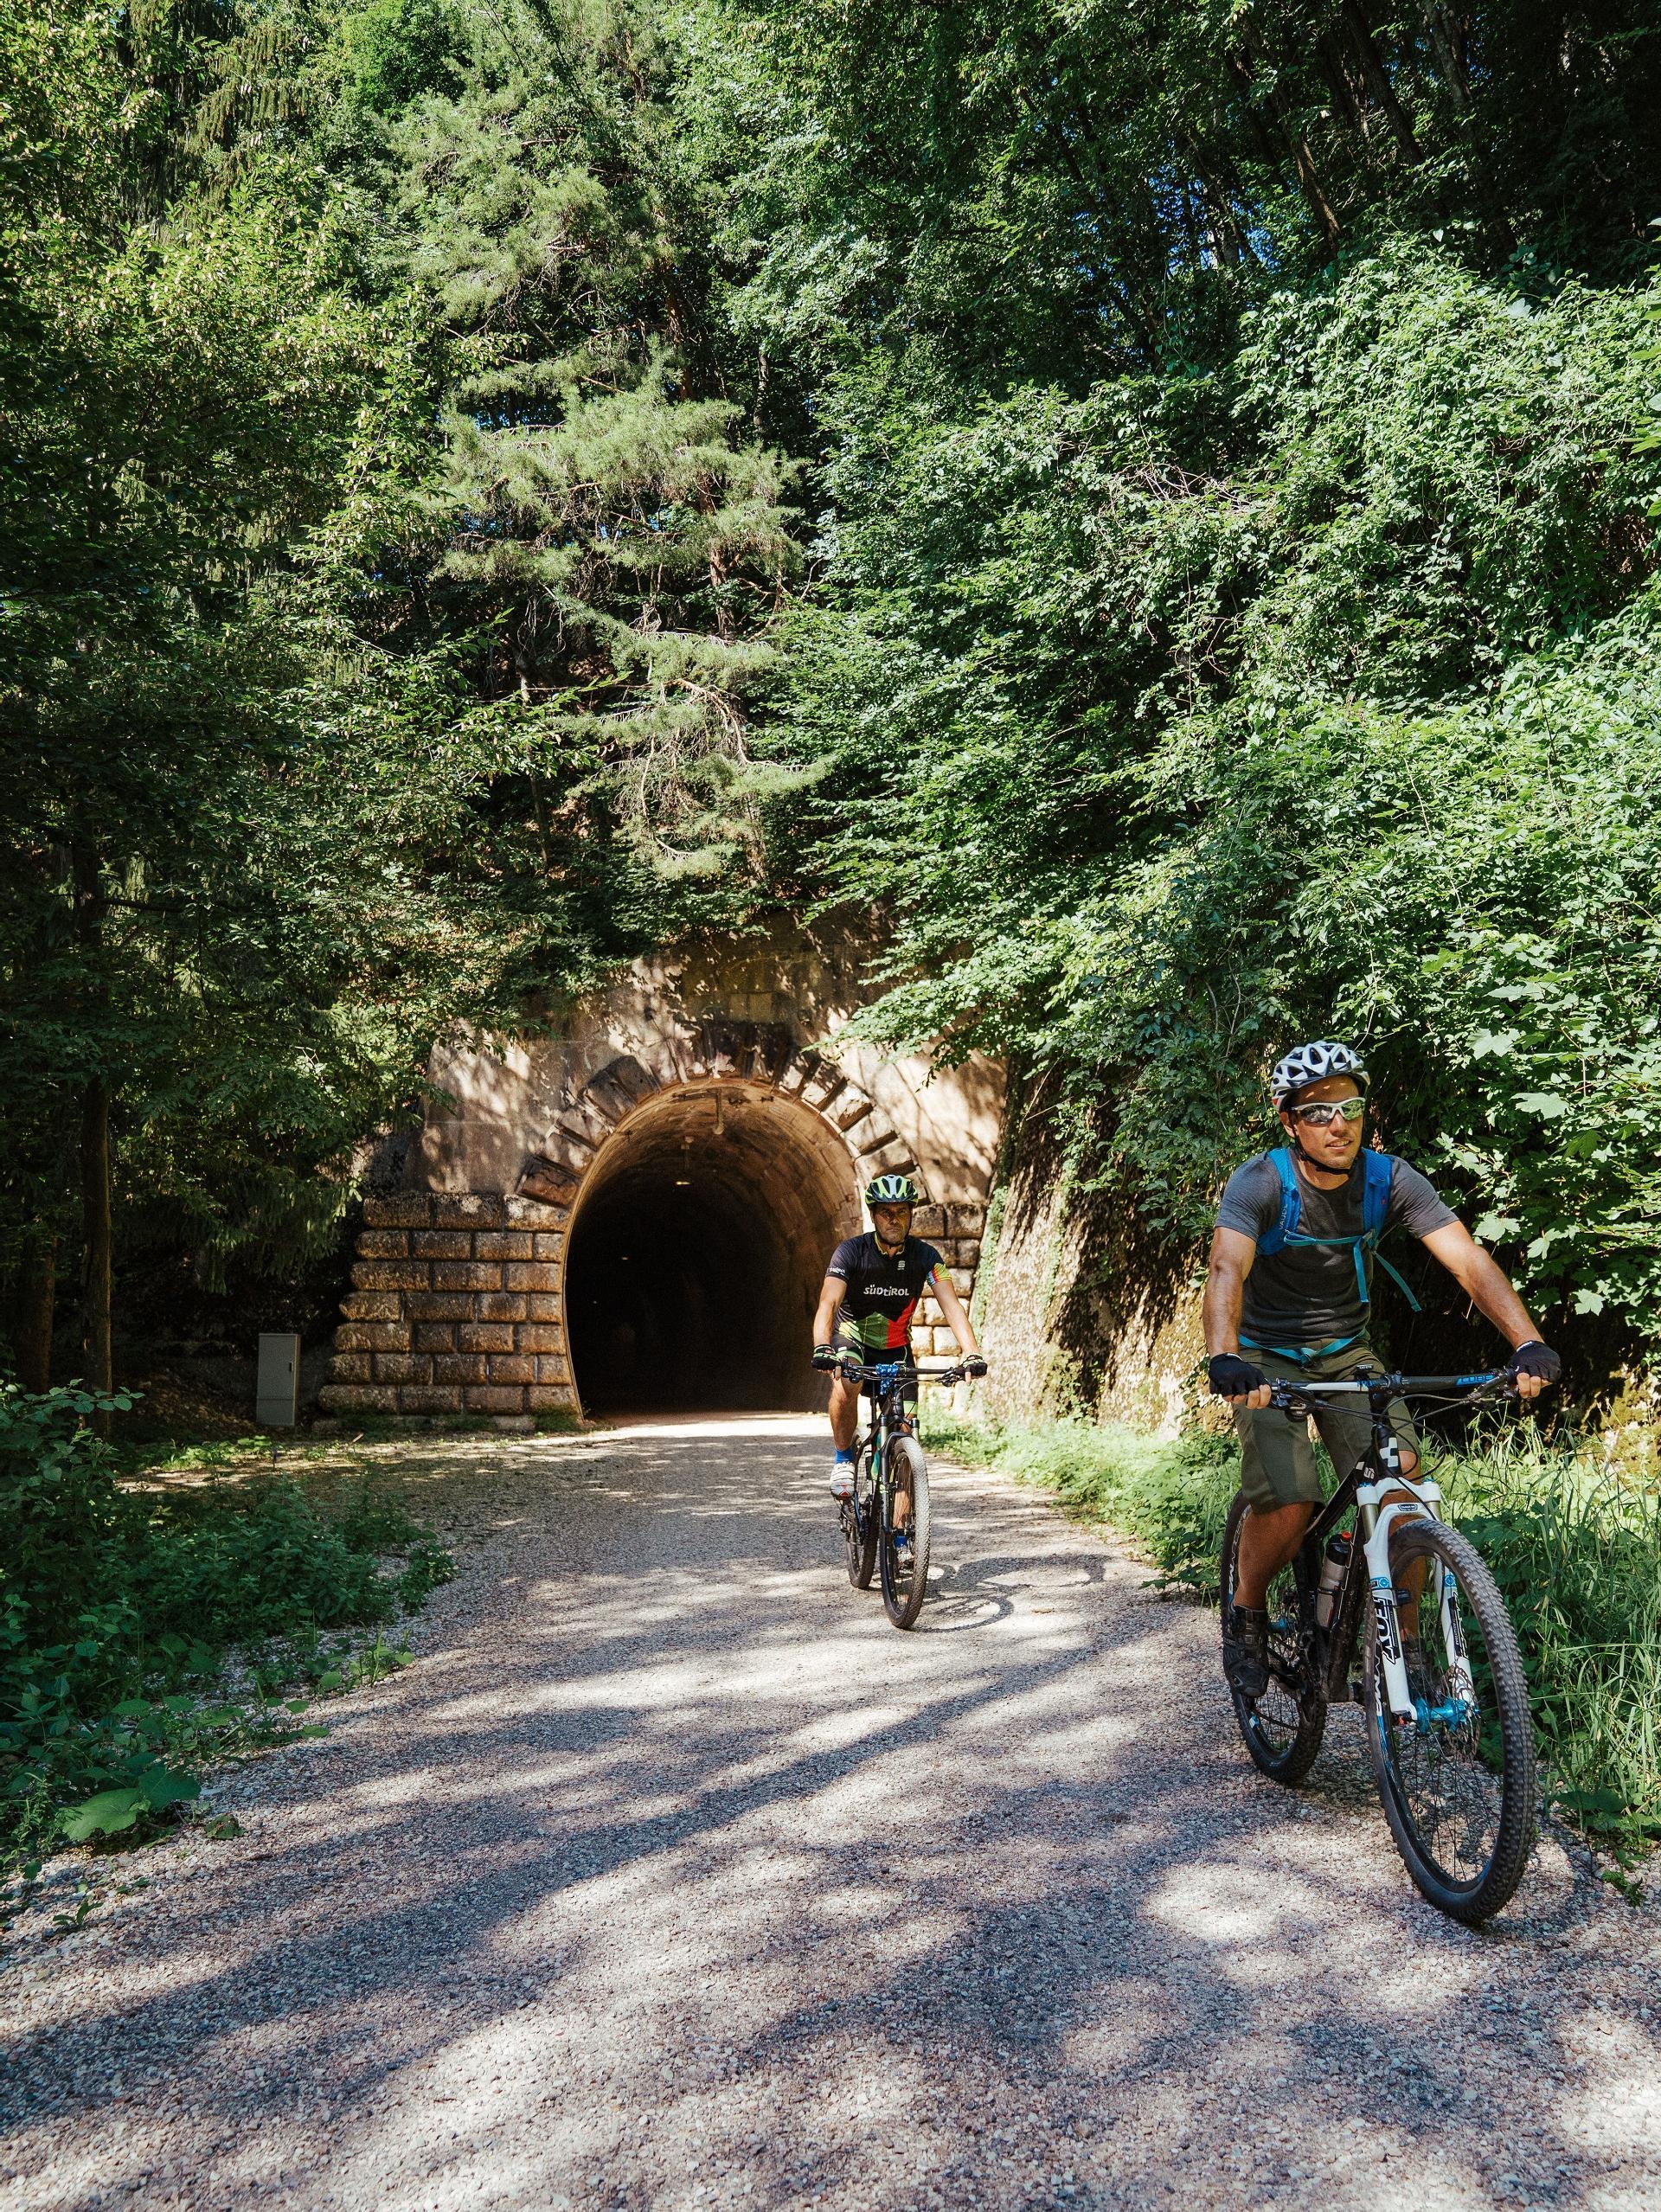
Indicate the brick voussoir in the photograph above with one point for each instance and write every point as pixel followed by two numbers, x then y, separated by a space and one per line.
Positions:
pixel 389 1275
pixel 403 1367
pixel 535 1214
pixel 358 1398
pixel 484 1336
pixel 408 1210
pixel 468 1210
pixel 372 1337
pixel 504 1244
pixel 442 1244
pixel 466 1275
pixel 429 1398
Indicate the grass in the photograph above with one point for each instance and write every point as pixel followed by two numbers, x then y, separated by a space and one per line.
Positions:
pixel 165 1609
pixel 1574 1543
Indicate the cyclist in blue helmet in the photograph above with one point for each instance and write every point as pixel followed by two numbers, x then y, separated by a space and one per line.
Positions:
pixel 872 1285
pixel 1288 1294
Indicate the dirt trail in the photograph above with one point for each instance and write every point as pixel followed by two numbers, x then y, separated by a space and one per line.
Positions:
pixel 673 1876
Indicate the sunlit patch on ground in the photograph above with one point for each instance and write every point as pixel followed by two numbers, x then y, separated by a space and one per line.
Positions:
pixel 673 1877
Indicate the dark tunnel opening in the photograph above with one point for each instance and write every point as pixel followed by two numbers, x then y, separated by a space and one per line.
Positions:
pixel 696 1254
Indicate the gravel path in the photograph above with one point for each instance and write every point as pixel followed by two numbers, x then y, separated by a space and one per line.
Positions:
pixel 673 1876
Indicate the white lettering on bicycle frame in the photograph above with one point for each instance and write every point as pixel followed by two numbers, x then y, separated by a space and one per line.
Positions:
pixel 1384 1614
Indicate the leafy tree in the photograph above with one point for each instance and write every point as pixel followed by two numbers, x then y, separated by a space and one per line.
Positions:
pixel 1349 731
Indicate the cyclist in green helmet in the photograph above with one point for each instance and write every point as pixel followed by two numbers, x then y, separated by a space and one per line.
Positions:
pixel 871 1289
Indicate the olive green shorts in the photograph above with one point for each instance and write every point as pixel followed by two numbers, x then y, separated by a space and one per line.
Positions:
pixel 1277 1460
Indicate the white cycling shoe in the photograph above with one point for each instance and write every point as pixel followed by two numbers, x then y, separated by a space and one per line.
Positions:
pixel 842 1478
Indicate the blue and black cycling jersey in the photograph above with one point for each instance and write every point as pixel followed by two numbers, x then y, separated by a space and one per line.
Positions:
pixel 882 1290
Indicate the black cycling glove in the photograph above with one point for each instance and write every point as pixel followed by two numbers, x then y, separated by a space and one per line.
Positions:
pixel 1233 1377
pixel 1536 1358
pixel 824 1356
pixel 974 1364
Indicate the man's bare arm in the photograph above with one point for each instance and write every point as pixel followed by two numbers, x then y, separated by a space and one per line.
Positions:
pixel 1232 1255
pixel 1489 1287
pixel 830 1297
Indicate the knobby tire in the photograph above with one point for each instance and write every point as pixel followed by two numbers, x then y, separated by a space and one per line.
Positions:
pixel 1461 1799
pixel 1282 1729
pixel 904 1588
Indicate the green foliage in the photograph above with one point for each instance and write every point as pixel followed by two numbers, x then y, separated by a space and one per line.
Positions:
pixel 123 1613
pixel 1030 193
pixel 387 570
pixel 1313 696
pixel 1574 1545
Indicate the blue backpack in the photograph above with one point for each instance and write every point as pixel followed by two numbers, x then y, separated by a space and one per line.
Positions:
pixel 1376 1170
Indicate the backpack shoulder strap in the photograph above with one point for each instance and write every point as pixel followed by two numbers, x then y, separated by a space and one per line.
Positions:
pixel 1375 1205
pixel 1292 1204
pixel 1377 1169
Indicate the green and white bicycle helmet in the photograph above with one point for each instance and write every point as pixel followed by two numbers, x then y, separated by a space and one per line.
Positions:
pixel 1312 1063
pixel 893 1191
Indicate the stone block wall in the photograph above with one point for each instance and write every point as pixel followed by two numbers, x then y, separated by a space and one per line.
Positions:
pixel 456 1305
pixel 455 1308
pixel 955 1232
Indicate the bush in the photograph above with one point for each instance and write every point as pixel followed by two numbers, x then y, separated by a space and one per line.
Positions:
pixel 1576 1548
pixel 125 1613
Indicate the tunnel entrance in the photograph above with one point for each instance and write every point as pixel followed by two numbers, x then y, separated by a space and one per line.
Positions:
pixel 696 1252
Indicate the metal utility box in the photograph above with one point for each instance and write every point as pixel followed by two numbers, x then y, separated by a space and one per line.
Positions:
pixel 277 1393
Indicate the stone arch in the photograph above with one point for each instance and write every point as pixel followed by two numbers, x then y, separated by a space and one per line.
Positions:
pixel 756 1055
pixel 697 1287
pixel 459 1297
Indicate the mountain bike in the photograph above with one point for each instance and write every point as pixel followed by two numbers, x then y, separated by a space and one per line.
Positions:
pixel 889 1466
pixel 1440 1677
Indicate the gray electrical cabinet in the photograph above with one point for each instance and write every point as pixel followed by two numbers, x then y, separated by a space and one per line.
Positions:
pixel 277 1393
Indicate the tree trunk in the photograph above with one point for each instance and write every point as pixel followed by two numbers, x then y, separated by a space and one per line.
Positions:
pixel 97 1373
pixel 1377 78
pixel 37 1301
pixel 95 1229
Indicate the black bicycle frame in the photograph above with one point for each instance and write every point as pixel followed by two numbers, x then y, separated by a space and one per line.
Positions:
pixel 1382 1460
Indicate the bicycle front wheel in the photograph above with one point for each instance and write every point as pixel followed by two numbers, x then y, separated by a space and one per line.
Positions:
pixel 1283 1727
pixel 1459 1784
pixel 859 1525
pixel 905 1548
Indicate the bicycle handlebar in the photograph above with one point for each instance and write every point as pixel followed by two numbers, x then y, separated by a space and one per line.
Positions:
pixel 897 1371
pixel 1383 1387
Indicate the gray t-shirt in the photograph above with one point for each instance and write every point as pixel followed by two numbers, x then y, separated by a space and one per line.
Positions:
pixel 1307 1294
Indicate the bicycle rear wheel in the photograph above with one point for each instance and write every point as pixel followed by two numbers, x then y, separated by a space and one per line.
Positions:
pixel 859 1523
pixel 905 1565
pixel 1283 1729
pixel 1460 1787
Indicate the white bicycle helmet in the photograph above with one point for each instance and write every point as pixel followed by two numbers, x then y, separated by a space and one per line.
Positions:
pixel 1312 1063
